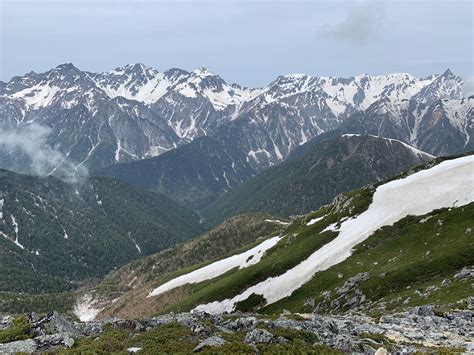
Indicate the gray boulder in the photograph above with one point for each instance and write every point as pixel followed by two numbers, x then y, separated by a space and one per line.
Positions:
pixel 5 321
pixel 54 323
pixel 200 329
pixel 211 341
pixel 258 336
pixel 246 323
pixel 423 311
pixel 20 346
pixel 284 322
pixel 465 273
pixel 44 342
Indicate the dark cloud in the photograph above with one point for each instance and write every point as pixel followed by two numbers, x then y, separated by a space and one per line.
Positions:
pixel 363 22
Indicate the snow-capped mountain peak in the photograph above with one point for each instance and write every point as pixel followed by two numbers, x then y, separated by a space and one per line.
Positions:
pixel 203 72
pixel 64 85
pixel 444 86
pixel 161 110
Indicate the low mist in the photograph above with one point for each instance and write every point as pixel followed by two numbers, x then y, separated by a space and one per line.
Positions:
pixel 29 144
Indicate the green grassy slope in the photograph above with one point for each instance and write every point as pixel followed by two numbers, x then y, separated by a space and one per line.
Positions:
pixel 410 263
pixel 234 235
pixel 406 262
pixel 300 241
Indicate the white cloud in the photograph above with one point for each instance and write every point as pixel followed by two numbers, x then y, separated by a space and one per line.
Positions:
pixel 42 159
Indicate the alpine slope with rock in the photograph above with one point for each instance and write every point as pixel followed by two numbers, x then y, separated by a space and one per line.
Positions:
pixel 136 112
pixel 377 249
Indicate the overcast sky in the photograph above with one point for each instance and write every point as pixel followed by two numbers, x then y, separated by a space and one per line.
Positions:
pixel 248 42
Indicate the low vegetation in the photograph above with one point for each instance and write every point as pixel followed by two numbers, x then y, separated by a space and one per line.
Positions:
pixel 18 330
pixel 175 338
pixel 17 303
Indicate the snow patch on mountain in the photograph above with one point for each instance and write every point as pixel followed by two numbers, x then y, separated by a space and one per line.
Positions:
pixel 241 261
pixel 147 85
pixel 135 82
pixel 315 220
pixel 448 184
pixel 460 114
pixel 413 149
pixel 37 96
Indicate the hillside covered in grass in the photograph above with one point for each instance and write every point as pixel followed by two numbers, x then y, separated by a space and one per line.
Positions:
pixel 343 257
pixel 127 284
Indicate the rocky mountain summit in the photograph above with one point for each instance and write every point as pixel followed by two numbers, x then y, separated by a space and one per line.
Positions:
pixel 419 329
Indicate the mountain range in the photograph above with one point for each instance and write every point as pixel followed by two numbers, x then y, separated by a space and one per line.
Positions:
pixel 171 199
pixel 137 112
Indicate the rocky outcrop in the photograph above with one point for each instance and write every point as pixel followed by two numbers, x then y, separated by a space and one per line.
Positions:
pixel 348 295
pixel 418 329
pixel 465 273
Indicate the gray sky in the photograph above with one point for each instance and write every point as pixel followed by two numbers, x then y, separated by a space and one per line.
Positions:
pixel 248 42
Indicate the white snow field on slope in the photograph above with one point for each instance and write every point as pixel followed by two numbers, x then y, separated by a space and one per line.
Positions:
pixel 250 257
pixel 448 184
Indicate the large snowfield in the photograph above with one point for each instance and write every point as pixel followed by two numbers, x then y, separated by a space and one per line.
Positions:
pixel 220 267
pixel 448 184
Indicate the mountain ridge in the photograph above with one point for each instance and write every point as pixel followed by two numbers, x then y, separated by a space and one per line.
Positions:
pixel 313 177
pixel 134 112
